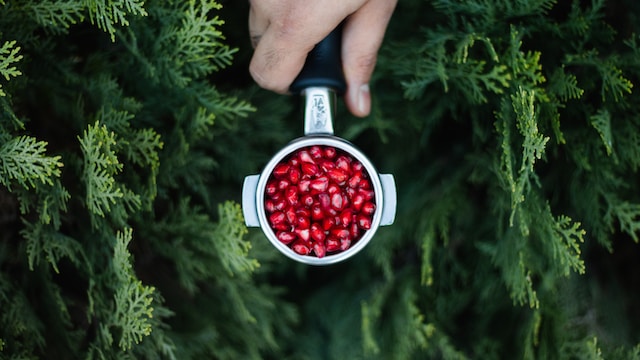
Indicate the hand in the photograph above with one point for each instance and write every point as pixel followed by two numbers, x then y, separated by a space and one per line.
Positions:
pixel 284 31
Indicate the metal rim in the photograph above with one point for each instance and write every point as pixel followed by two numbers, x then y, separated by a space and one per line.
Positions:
pixel 345 146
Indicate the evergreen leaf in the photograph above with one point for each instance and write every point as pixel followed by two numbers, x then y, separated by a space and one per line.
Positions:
pixel 601 121
pixel 55 15
pixel 8 57
pixel 627 215
pixel 23 159
pixel 107 14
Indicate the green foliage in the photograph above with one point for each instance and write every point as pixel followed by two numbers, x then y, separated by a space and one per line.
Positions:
pixel 512 129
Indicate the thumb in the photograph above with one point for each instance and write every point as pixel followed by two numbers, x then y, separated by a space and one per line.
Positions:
pixel 362 37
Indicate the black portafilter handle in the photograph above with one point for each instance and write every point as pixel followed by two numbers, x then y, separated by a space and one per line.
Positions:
pixel 323 67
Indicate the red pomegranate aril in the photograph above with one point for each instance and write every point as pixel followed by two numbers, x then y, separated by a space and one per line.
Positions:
pixel 332 244
pixel 356 166
pixel 351 192
pixel 345 217
pixel 354 230
pixel 285 237
pixel 281 170
pixel 270 206
pixel 327 165
pixel 336 201
pixel 277 218
pixel 324 200
pixel 333 188
pixel 283 184
pixel 309 168
pixel 338 176
pixel 305 157
pixel 291 215
pixel 364 222
pixel 345 244
pixel 316 232
pixel 306 200
pixel 281 227
pixel 303 234
pixel 281 204
pixel 271 188
pixel 294 175
pixel 315 152
pixel 317 213
pixel 355 179
pixel 304 185
pixel 294 161
pixel 319 249
pixel 368 208
pixel 303 212
pixel 303 222
pixel 368 194
pixel 328 223
pixel 357 202
pixel 320 184
pixel 340 233
pixel 329 152
pixel 301 247
pixel 291 194
pixel 342 162
pixel 364 184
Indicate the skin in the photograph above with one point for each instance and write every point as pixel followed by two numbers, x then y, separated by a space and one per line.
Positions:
pixel 284 31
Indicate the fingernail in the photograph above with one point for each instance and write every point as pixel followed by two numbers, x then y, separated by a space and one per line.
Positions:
pixel 363 99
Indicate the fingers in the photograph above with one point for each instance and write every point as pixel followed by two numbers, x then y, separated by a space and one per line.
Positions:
pixel 293 28
pixel 362 37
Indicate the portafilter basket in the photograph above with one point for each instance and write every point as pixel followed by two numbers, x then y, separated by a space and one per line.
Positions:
pixel 318 83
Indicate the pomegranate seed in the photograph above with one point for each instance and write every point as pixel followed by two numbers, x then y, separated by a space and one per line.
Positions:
pixel 345 244
pixel 315 152
pixel 354 230
pixel 333 188
pixel 329 152
pixel 340 233
pixel 336 201
pixel 304 185
pixel 327 165
pixel 301 247
pixel 364 222
pixel 357 166
pixel 281 204
pixel 271 188
pixel 332 244
pixel 324 200
pixel 319 249
pixel 355 179
pixel 317 213
pixel 291 194
pixel 281 170
pixel 339 176
pixel 285 237
pixel 345 217
pixel 368 194
pixel 364 184
pixel 342 162
pixel 303 212
pixel 328 223
pixel 316 232
pixel 307 200
pixel 294 175
pixel 358 201
pixel 320 184
pixel 283 184
pixel 270 206
pixel 281 227
pixel 305 157
pixel 303 222
pixel 303 234
pixel 309 169
pixel 291 215
pixel 368 208
pixel 277 218
pixel 294 161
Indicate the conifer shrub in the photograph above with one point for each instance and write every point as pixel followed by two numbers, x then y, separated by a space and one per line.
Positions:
pixel 512 129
